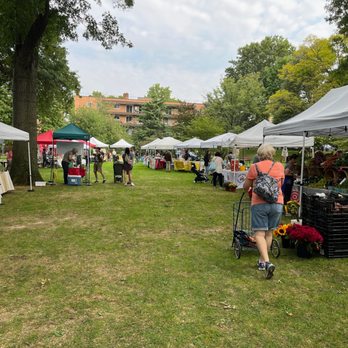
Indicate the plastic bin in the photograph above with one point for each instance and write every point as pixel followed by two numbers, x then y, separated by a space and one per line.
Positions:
pixel 74 180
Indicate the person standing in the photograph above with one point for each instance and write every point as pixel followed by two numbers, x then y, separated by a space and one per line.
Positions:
pixel 265 217
pixel 68 158
pixel 98 164
pixel 168 159
pixel 128 159
pixel 206 160
pixel 290 175
pixel 9 156
pixel 217 175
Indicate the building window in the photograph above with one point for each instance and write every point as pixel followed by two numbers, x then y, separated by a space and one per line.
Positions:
pixel 137 109
pixel 129 119
pixel 117 118
pixel 129 108
pixel 117 106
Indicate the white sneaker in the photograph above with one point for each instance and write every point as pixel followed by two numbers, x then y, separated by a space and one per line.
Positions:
pixel 132 184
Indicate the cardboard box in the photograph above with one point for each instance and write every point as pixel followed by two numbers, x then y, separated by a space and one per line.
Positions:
pixel 74 180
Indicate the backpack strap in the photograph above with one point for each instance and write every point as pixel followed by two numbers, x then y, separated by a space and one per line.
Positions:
pixel 257 169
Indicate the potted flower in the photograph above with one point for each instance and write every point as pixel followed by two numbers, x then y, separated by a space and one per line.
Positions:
pixel 281 232
pixel 230 186
pixel 292 208
pixel 307 239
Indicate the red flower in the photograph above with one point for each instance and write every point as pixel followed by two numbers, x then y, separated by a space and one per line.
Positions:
pixel 304 233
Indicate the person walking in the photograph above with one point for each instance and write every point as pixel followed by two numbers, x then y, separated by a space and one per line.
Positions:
pixel 168 159
pixel 265 217
pixel 206 160
pixel 217 174
pixel 128 159
pixel 98 164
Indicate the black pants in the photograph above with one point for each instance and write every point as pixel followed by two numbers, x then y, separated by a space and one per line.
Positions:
pixel 215 176
pixel 65 166
pixel 287 187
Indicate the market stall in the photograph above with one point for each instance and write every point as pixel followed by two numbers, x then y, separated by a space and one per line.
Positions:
pixel 72 132
pixel 237 177
pixel 121 144
pixel 327 117
pixel 11 133
pixel 186 165
pixel 223 140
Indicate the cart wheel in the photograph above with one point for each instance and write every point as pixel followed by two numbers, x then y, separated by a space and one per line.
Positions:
pixel 275 248
pixel 237 249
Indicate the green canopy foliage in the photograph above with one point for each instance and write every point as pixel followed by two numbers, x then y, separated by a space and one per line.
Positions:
pixel 99 124
pixel 204 127
pixel 158 92
pixel 238 104
pixel 186 114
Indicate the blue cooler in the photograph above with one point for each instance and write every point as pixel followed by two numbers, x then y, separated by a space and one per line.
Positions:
pixel 74 180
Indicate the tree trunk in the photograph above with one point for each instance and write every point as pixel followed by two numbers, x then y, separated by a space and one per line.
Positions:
pixel 24 114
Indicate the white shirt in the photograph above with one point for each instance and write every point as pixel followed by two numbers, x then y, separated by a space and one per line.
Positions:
pixel 218 164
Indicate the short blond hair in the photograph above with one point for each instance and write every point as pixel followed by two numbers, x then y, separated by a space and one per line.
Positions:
pixel 266 152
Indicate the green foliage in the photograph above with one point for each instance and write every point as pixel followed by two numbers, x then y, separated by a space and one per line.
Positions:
pixel 99 124
pixel 265 57
pixel 159 93
pixel 307 74
pixel 238 104
pixel 284 104
pixel 204 127
pixel 56 86
pixel 5 104
pixel 153 121
pixel 186 114
pixel 337 10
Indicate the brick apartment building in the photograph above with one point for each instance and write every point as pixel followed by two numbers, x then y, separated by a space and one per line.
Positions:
pixel 126 110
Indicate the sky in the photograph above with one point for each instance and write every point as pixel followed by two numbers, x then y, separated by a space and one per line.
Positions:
pixel 186 45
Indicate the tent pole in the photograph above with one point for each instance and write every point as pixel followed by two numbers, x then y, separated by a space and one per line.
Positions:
pixel 51 182
pixel 30 175
pixel 302 170
pixel 88 163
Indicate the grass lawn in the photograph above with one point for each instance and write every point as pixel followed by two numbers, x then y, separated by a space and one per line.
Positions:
pixel 151 266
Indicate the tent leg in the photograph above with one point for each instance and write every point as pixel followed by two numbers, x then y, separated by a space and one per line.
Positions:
pixel 88 176
pixel 51 181
pixel 30 174
pixel 302 170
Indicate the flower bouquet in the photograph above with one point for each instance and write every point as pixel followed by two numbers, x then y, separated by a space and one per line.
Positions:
pixel 281 231
pixel 307 239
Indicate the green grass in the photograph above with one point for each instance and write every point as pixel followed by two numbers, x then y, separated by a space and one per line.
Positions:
pixel 151 266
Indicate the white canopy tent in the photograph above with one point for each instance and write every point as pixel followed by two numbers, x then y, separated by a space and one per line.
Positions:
pixel 146 146
pixel 11 133
pixel 253 137
pixel 121 144
pixel 194 143
pixel 98 143
pixel 223 140
pixel 167 143
pixel 327 117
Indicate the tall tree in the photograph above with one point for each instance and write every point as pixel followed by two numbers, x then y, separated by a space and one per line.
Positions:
pixel 265 57
pixel 158 92
pixel 238 104
pixel 204 127
pixel 24 26
pixel 153 121
pixel 186 114
pixel 338 13
pixel 99 124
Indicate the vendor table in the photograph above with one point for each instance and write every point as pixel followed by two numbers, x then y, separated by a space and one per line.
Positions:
pixel 5 182
pixel 157 163
pixel 186 165
pixel 237 177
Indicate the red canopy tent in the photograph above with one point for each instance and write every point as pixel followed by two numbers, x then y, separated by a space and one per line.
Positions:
pixel 47 139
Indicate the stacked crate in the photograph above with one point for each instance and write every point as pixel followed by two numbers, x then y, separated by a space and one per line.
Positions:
pixel 330 217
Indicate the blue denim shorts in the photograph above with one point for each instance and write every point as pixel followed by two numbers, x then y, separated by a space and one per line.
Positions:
pixel 265 216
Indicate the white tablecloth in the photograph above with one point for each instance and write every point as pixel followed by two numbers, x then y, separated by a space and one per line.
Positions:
pixel 5 182
pixel 236 177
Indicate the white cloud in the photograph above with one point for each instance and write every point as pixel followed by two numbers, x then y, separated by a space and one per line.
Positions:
pixel 187 45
